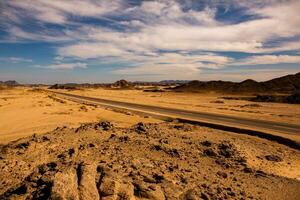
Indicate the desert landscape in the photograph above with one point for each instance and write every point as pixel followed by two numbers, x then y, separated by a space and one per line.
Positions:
pixel 88 151
pixel 149 100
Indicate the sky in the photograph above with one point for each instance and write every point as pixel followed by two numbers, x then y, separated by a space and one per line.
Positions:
pixel 60 41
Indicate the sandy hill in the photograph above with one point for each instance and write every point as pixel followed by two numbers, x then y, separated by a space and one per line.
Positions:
pixel 285 84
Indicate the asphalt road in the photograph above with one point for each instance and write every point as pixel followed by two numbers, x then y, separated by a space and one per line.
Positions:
pixel 233 121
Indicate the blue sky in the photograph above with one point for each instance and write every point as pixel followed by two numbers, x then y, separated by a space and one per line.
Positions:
pixel 49 41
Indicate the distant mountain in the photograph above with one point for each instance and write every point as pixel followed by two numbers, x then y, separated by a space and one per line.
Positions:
pixel 67 86
pixel 122 84
pixel 159 83
pixel 173 81
pixel 285 84
pixel 9 83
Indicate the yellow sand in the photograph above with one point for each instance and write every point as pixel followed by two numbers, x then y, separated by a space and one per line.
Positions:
pixel 24 112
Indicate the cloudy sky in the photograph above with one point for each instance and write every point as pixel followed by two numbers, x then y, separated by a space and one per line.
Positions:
pixel 51 41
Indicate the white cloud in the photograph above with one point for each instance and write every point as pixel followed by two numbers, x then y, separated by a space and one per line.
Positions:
pixel 268 59
pixel 175 65
pixel 15 59
pixel 162 26
pixel 64 66
pixel 18 33
pixel 169 33
pixel 90 50
pixel 171 28
pixel 57 11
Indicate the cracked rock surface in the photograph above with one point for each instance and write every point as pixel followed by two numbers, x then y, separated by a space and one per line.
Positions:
pixel 147 161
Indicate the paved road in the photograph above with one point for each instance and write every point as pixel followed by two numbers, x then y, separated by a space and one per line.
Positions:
pixel 233 121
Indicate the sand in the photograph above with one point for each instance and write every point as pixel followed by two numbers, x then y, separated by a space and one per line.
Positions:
pixel 24 111
pixel 57 149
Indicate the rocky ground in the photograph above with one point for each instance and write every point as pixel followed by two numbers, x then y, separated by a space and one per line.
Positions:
pixel 147 161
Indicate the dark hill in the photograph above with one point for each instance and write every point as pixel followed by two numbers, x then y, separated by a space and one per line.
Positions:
pixel 289 83
pixel 122 84
pixel 9 83
pixel 248 85
pixel 285 84
pixel 68 86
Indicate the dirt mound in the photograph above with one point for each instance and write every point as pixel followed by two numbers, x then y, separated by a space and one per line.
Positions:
pixel 147 161
pixel 285 84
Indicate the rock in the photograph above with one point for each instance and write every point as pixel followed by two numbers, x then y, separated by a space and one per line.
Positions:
pixel 157 147
pixel 183 127
pixel 23 145
pixel 226 149
pixel 206 143
pixel 104 125
pixel 248 170
pixel 45 138
pixel 173 152
pixel 71 152
pixel 84 127
pixel 153 192
pixel 204 196
pixel 126 192
pixel 87 185
pixel 209 152
pixel 231 193
pixel 112 136
pixel 223 162
pixel 260 173
pixel 65 185
pixel 222 174
pixel 109 187
pixel 273 158
pixel 140 128
pixel 158 178
pixel 124 138
pixel 189 195
pixel 51 166
pixel 83 108
pixel 91 145
pixel 148 179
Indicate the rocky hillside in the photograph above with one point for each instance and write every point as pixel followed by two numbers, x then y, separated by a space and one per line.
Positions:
pixel 147 161
pixel 285 84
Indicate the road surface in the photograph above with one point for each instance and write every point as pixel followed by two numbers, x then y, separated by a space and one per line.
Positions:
pixel 218 119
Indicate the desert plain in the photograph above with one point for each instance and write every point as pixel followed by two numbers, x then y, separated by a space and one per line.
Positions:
pixel 54 148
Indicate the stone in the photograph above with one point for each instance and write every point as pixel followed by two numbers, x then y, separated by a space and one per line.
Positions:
pixel 209 152
pixel 222 174
pixel 273 158
pixel 87 185
pixel 65 185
